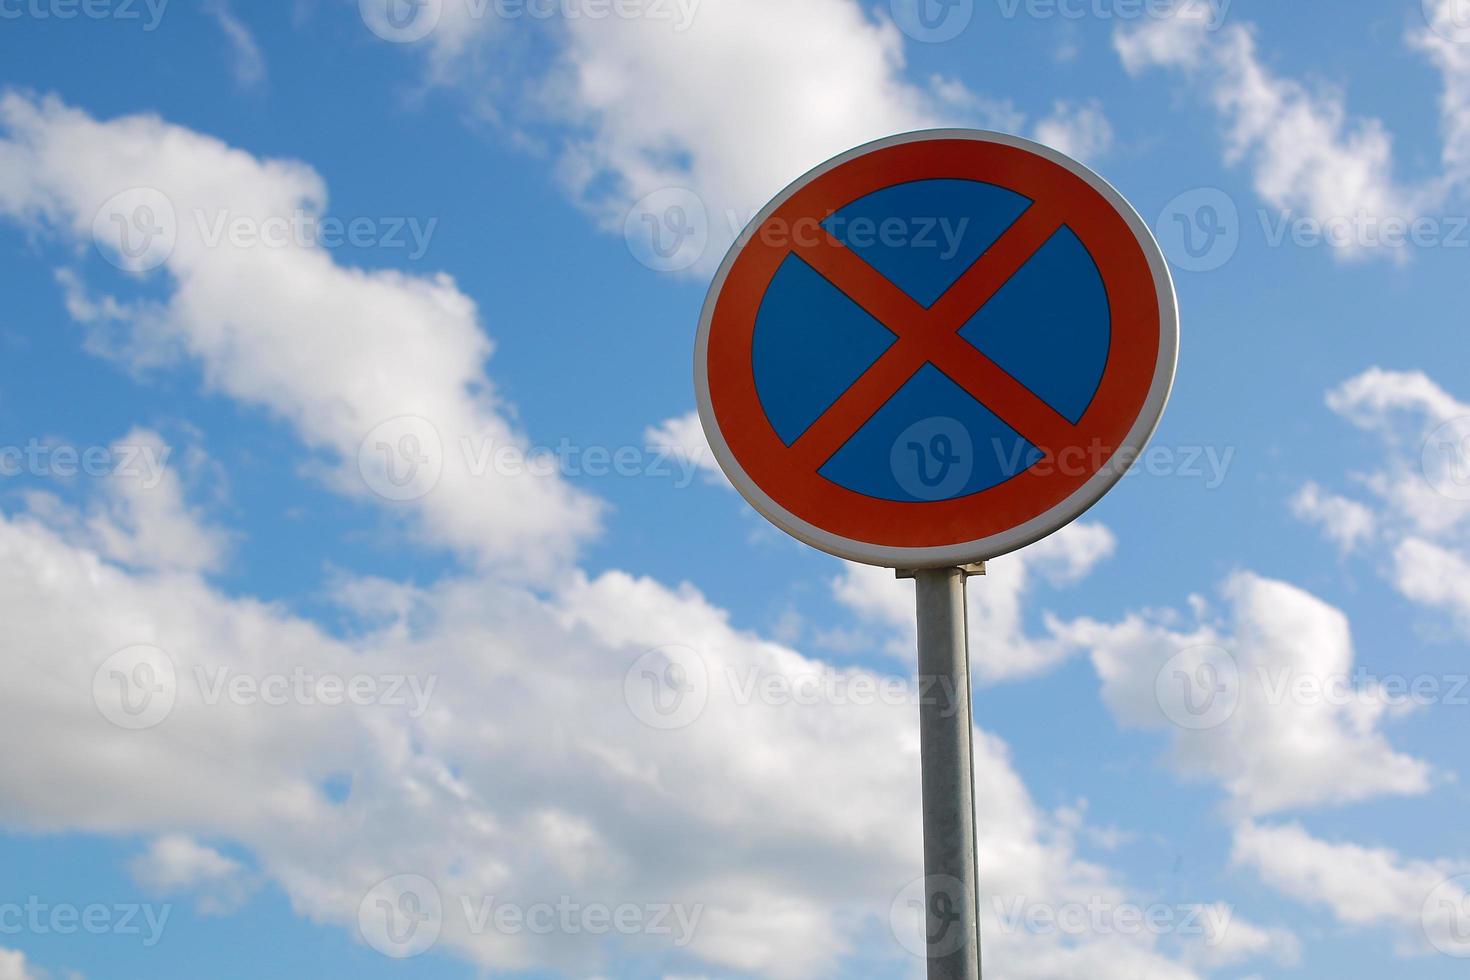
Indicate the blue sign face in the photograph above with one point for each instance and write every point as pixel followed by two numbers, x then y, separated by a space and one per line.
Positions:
pixel 1048 327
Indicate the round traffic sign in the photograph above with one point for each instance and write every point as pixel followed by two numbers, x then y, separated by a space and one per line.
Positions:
pixel 936 348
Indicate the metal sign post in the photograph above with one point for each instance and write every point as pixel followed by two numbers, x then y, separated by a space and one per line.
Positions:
pixel 951 874
pixel 912 407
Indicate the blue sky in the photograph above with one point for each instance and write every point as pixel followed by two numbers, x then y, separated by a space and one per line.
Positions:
pixel 207 507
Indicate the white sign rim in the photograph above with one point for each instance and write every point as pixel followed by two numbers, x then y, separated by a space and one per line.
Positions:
pixel 1002 542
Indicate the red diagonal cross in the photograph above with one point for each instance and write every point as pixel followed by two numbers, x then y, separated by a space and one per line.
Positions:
pixel 932 336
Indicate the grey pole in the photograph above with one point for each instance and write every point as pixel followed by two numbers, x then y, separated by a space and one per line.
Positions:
pixel 951 878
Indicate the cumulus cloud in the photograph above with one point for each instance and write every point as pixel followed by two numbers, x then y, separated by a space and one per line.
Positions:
pixel 1268 703
pixel 141 518
pixel 1417 493
pixel 541 770
pixel 694 109
pixel 1080 131
pixel 1434 576
pixel 1238 940
pixel 1421 479
pixel 380 372
pixel 1378 398
pixel 1444 45
pixel 1422 901
pixel 1348 523
pixel 1306 152
pixel 13 966
pixel 177 863
pixel 727 105
pixel 682 438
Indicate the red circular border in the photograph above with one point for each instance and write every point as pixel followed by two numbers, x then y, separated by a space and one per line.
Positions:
pixel 1122 393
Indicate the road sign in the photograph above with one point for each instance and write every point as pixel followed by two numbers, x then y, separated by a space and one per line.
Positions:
pixel 936 348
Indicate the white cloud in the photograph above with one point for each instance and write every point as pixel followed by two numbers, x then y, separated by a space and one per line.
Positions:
pixel 13 966
pixel 981 110
pixel 732 105
pixel 1174 42
pixel 1233 698
pixel 1361 886
pixel 529 776
pixel 447 30
pixel 246 61
pixel 1080 131
pixel 1444 45
pixel 1378 400
pixel 752 95
pixel 1434 576
pixel 1229 940
pixel 1420 490
pixel 1418 484
pixel 1001 647
pixel 682 438
pixel 378 371
pixel 1347 523
pixel 1305 151
pixel 1106 958
pixel 144 520
pixel 177 863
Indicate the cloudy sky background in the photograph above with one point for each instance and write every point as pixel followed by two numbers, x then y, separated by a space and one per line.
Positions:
pixel 441 448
